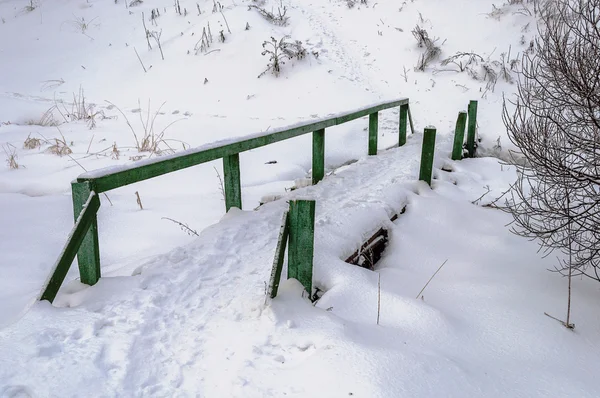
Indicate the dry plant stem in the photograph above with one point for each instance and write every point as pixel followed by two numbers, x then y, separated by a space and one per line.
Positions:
pixel 183 226
pixel 567 325
pixel 476 201
pixel 225 19
pixel 156 36
pixel 378 297
pixel 146 32
pixel 221 186
pixel 432 276
pixel 139 59
pixel 139 200
pixel 137 142
pixel 90 144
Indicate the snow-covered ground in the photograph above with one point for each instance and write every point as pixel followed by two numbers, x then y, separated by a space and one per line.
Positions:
pixel 179 315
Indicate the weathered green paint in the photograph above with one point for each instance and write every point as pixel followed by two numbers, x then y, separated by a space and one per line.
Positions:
pixel 373 127
pixel 302 235
pixel 403 119
pixel 459 136
pixel 471 128
pixel 231 177
pixel 167 164
pixel 318 156
pixel 427 155
pixel 88 256
pixel 412 127
pixel 62 265
pixel 279 256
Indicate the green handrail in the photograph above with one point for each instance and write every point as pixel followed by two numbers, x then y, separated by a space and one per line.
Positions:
pixel 83 240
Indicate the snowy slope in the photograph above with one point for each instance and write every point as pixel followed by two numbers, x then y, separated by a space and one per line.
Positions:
pixel 184 316
pixel 193 322
pixel 362 53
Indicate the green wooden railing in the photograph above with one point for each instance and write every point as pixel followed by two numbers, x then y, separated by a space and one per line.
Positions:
pixel 83 240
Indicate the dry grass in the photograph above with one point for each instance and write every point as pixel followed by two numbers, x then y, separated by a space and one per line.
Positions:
pixel 149 139
pixel 32 143
pixel 11 156
pixel 60 146
pixel 46 120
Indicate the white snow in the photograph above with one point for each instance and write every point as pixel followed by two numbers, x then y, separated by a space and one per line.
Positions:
pixel 177 315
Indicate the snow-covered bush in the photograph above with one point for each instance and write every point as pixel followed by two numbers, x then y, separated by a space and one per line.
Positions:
pixel 280 51
pixel 432 51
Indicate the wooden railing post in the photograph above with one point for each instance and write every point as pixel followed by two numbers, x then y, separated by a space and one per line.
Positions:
pixel 318 156
pixel 231 177
pixel 301 242
pixel 410 121
pixel 373 127
pixel 78 233
pixel 427 155
pixel 88 255
pixel 459 136
pixel 471 128
pixel 403 124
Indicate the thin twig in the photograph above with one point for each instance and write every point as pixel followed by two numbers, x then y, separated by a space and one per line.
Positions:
pixel 568 326
pixel 139 200
pixel 90 145
pixel 184 227
pixel 432 276
pixel 138 56
pixel 225 19
pixel 146 32
pixel 378 298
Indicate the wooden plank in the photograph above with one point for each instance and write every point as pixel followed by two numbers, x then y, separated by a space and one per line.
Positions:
pixel 459 136
pixel 318 156
pixel 105 181
pixel 301 249
pixel 279 256
pixel 76 237
pixel 371 251
pixel 427 155
pixel 472 125
pixel 88 255
pixel 373 128
pixel 402 129
pixel 231 177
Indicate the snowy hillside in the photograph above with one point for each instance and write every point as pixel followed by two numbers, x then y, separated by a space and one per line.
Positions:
pixel 180 315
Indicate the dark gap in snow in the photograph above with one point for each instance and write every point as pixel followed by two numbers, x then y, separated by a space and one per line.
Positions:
pixel 372 250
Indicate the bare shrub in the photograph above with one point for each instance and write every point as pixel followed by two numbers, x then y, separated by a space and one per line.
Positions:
pixel 352 3
pixel 482 69
pixel 432 51
pixel 463 61
pixel 280 51
pixel 556 126
pixel 279 19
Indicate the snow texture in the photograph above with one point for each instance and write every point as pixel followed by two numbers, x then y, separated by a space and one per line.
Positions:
pixel 179 315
